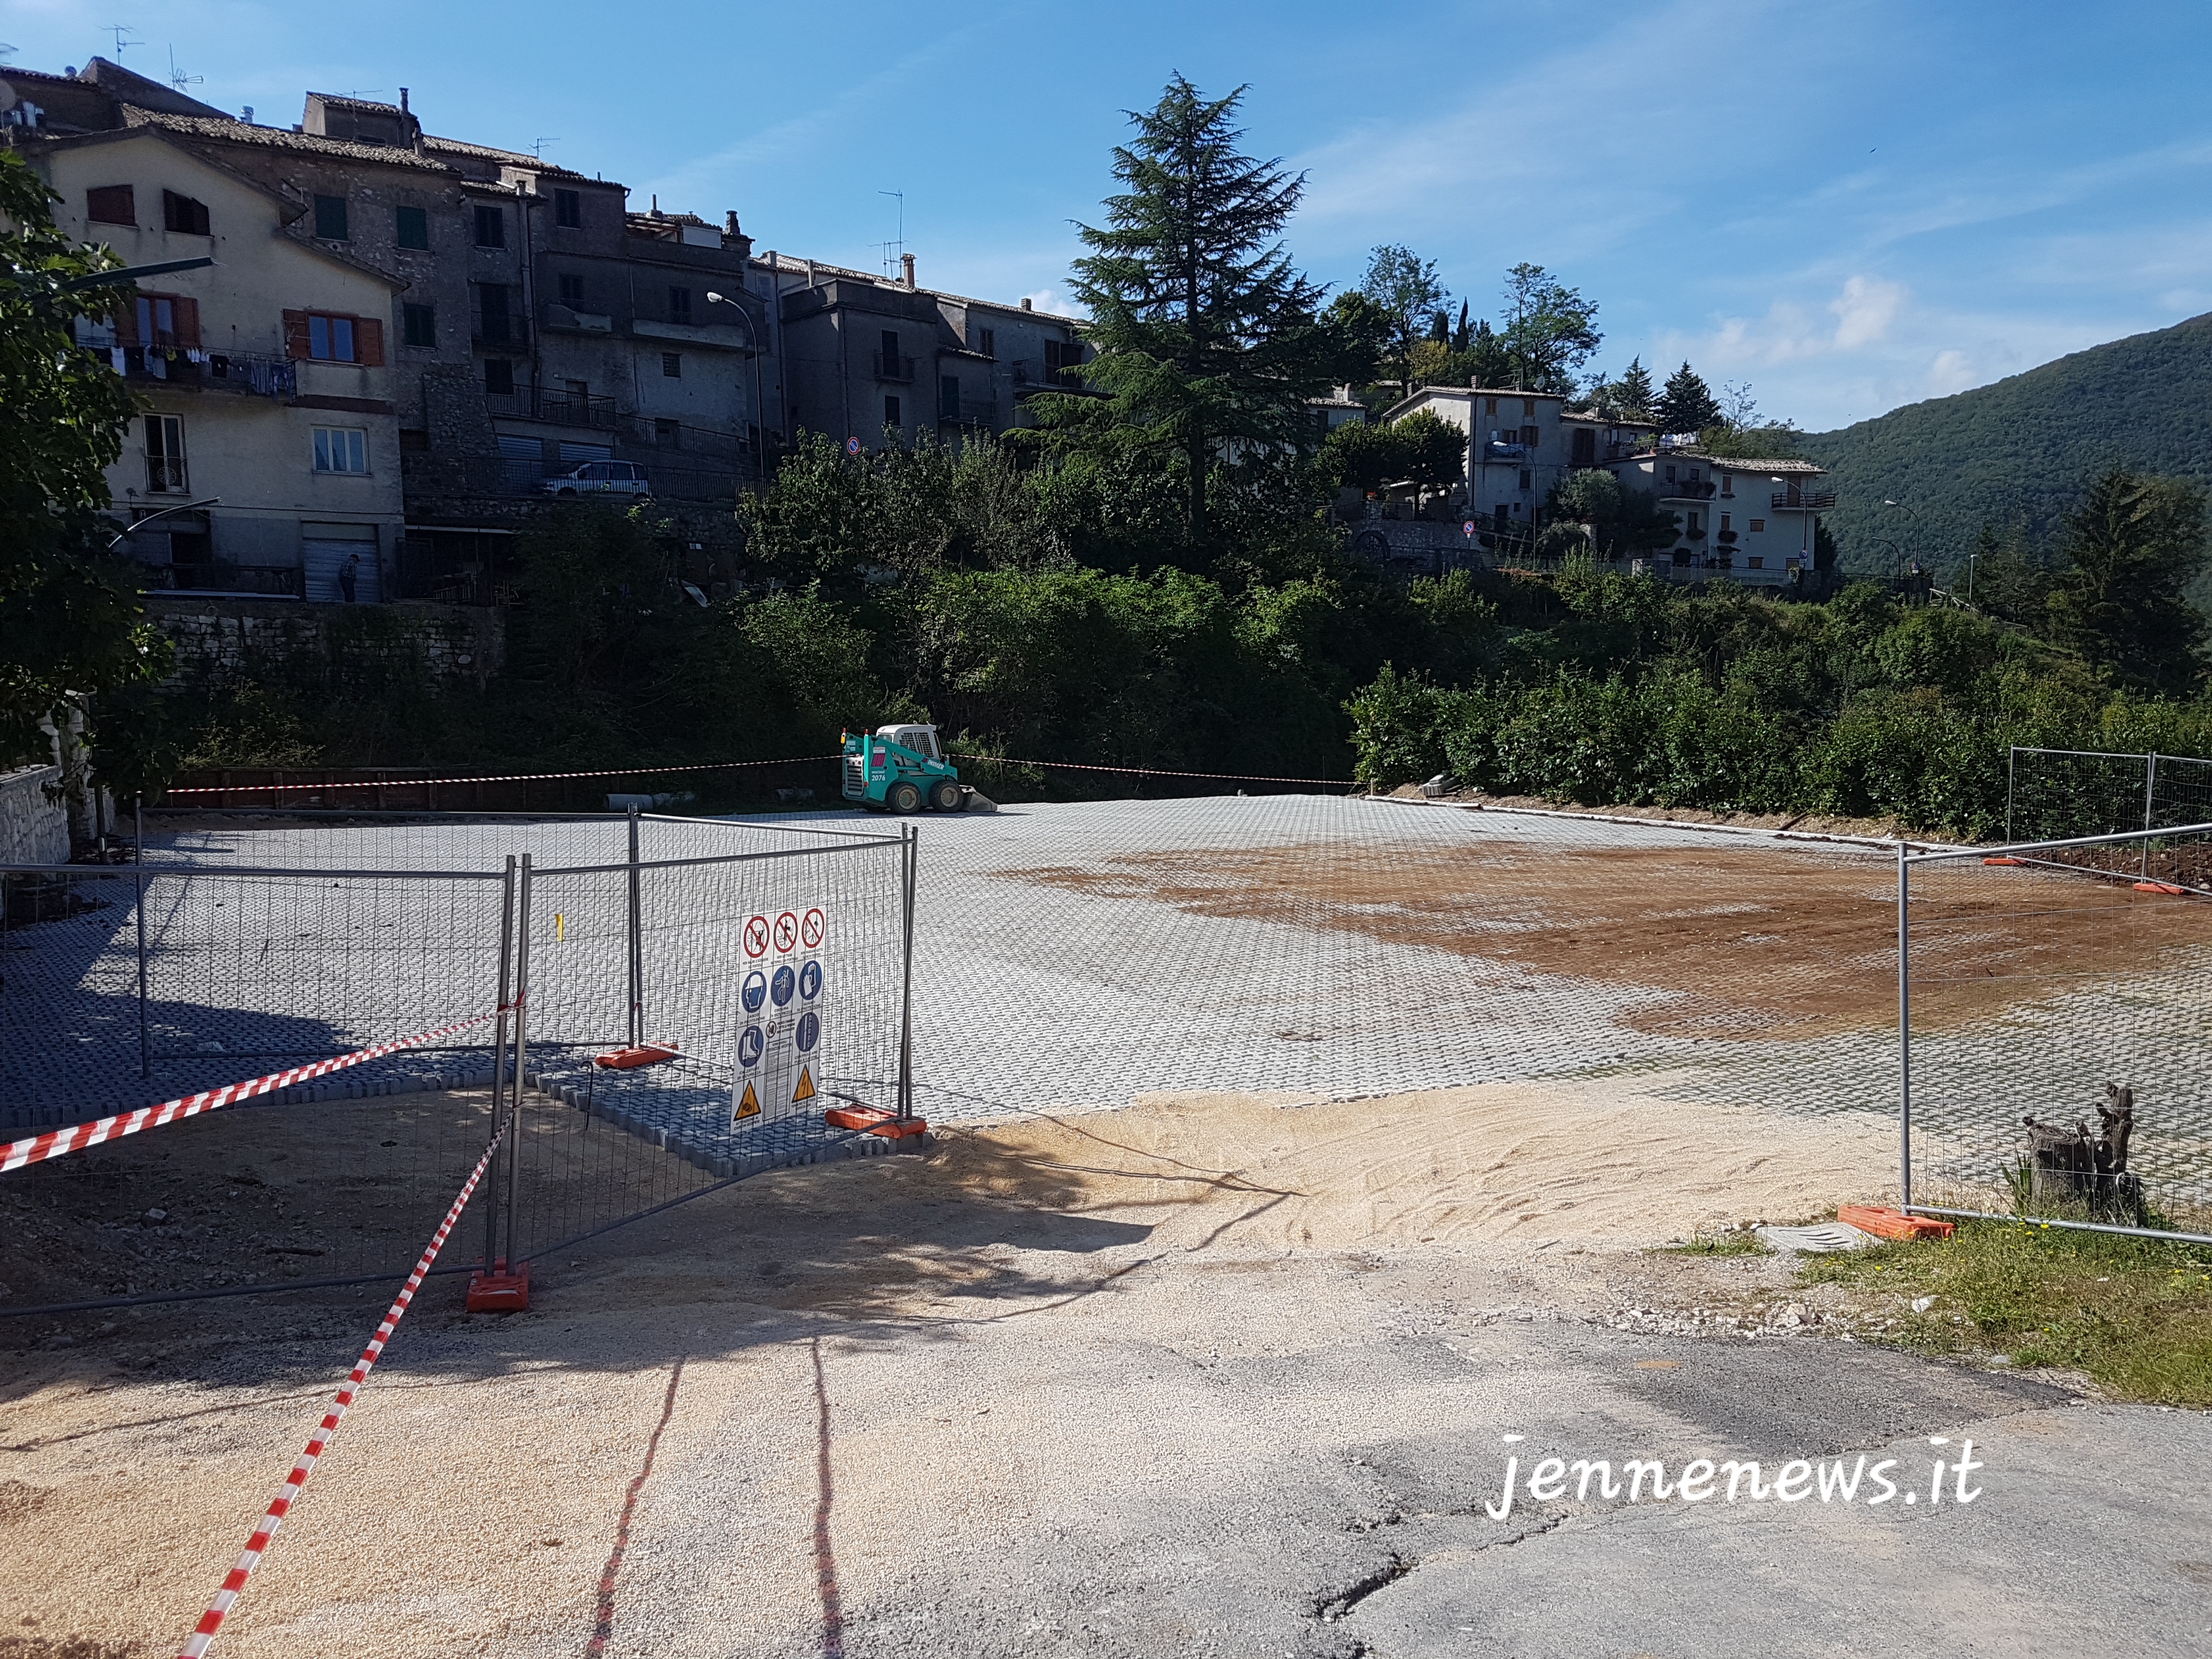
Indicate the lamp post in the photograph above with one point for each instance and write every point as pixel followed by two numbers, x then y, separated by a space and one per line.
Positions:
pixel 752 341
pixel 1918 535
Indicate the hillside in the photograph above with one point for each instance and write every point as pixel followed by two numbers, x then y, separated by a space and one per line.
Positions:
pixel 2022 448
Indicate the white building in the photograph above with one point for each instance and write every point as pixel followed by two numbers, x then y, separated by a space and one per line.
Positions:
pixel 1749 521
pixel 1519 446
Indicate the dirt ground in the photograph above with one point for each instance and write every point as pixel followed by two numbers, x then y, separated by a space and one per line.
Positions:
pixel 1797 945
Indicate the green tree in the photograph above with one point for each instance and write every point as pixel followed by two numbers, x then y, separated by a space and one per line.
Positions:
pixel 74 642
pixel 2132 548
pixel 1435 450
pixel 1361 455
pixel 1205 332
pixel 1687 404
pixel 1632 396
pixel 1403 287
pixel 1551 331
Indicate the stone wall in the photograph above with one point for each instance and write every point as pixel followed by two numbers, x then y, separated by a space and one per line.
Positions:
pixel 34 828
pixel 452 643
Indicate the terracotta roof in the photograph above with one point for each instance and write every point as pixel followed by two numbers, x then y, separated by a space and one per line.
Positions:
pixel 1728 462
pixel 237 132
pixel 513 158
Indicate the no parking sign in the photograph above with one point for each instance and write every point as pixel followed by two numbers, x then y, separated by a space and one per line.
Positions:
pixel 782 993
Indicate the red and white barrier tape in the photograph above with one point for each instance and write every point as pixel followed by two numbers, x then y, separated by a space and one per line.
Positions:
pixel 1151 771
pixel 36 1149
pixel 507 777
pixel 203 1633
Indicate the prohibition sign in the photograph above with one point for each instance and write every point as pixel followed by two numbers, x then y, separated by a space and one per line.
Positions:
pixel 749 1044
pixel 852 445
pixel 786 931
pixel 780 987
pixel 754 991
pixel 809 1030
pixel 811 929
pixel 810 980
pixel 757 936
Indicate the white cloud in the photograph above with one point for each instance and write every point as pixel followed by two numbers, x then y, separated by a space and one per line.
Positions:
pixel 1951 370
pixel 1864 311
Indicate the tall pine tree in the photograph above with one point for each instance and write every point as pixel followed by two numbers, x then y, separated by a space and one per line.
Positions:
pixel 2132 549
pixel 1687 405
pixel 1204 329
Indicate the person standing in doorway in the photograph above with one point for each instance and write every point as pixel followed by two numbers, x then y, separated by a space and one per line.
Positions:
pixel 349 577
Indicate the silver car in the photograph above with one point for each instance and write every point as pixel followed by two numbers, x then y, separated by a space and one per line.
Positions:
pixel 599 478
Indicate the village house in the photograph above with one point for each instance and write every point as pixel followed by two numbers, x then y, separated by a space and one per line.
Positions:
pixel 1519 446
pixel 1748 521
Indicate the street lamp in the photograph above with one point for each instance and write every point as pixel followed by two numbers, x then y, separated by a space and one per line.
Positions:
pixel 752 341
pixel 138 524
pixel 1918 535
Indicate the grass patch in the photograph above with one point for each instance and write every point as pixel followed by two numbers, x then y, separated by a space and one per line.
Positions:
pixel 1728 1241
pixel 2134 1314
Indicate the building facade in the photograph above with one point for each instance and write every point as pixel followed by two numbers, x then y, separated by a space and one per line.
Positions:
pixel 1519 446
pixel 1748 521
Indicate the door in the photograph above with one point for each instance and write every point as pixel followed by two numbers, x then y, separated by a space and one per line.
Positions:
pixel 326 549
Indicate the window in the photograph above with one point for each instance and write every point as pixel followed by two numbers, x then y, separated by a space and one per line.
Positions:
pixel 183 215
pixel 330 339
pixel 948 397
pixel 112 205
pixel 341 449
pixel 679 304
pixel 1527 478
pixel 1757 562
pixel 1529 407
pixel 1758 525
pixel 572 290
pixel 331 218
pixel 491 227
pixel 419 325
pixel 672 365
pixel 1727 484
pixel 1490 405
pixel 1724 521
pixel 1670 475
pixel 168 322
pixel 986 342
pixel 165 455
pixel 569 208
pixel 499 378
pixel 1531 436
pixel 891 412
pixel 414 229
pixel 888 364
pixel 494 319
pixel 668 433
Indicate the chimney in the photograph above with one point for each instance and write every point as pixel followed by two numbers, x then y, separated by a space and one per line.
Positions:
pixel 1026 306
pixel 730 225
pixel 907 261
pixel 403 101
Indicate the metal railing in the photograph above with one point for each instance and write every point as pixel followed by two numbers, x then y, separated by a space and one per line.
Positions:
pixel 270 581
pixel 556 408
pixel 1802 501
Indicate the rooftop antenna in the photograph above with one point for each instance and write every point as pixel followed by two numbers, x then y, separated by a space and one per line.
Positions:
pixel 118 30
pixel 178 78
pixel 893 249
pixel 537 148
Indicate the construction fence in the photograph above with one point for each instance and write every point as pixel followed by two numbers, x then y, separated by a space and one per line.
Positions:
pixel 465 958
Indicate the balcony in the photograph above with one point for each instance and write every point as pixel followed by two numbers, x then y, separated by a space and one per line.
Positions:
pixel 1802 501
pixel 1504 451
pixel 259 581
pixel 967 411
pixel 895 367
pixel 1686 492
pixel 499 331
pixel 555 408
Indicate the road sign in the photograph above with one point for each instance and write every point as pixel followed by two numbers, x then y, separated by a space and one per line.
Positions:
pixel 786 931
pixel 1468 527
pixel 757 936
pixel 810 980
pixel 812 928
pixel 852 445
pixel 754 991
pixel 780 988
pixel 751 1043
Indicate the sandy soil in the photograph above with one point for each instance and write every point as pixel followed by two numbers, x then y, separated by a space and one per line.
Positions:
pixel 1799 945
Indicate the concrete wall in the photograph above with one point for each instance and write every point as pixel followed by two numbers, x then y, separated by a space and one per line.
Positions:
pixel 33 828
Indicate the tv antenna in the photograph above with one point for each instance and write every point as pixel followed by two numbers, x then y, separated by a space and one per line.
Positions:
pixel 894 248
pixel 178 78
pixel 118 30
pixel 537 147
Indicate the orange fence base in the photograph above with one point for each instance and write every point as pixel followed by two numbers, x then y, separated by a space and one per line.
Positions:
pixel 623 1060
pixel 2004 860
pixel 2166 887
pixel 875 1121
pixel 1885 1223
pixel 500 1291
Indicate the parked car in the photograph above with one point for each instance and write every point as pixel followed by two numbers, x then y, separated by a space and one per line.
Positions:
pixel 599 478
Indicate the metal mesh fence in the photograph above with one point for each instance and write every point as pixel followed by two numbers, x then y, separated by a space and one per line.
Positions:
pixel 2057 794
pixel 2041 985
pixel 245 947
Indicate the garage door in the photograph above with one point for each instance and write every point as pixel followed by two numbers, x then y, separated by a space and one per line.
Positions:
pixel 325 550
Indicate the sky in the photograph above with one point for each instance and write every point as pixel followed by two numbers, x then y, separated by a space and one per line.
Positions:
pixel 1845 206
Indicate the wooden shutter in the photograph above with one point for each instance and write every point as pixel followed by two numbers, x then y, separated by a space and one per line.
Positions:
pixel 369 342
pixel 295 336
pixel 126 321
pixel 188 323
pixel 112 205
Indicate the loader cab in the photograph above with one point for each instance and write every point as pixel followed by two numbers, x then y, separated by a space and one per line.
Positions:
pixel 922 739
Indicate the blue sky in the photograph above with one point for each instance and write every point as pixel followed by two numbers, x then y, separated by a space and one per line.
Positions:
pixel 1849 205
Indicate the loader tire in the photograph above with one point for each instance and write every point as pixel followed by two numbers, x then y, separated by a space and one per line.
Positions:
pixel 945 796
pixel 904 799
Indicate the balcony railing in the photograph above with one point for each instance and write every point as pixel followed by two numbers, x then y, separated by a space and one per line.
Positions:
pixel 556 408
pixel 968 411
pixel 1686 492
pixel 891 366
pixel 1802 501
pixel 265 581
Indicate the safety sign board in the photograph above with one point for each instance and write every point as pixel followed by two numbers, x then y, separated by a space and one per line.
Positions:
pixel 781 1011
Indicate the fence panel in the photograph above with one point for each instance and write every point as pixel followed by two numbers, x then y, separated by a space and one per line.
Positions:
pixel 2042 984
pixel 2056 794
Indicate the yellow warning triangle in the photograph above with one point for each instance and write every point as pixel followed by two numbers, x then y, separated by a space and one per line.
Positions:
pixel 750 1106
pixel 805 1089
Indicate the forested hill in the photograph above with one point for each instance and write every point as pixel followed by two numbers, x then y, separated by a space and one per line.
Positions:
pixel 2021 450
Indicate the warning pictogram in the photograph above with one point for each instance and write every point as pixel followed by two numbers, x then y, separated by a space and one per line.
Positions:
pixel 749 1105
pixel 809 1032
pixel 810 980
pixel 749 1045
pixel 754 991
pixel 811 929
pixel 805 1089
pixel 787 931
pixel 757 936
pixel 780 988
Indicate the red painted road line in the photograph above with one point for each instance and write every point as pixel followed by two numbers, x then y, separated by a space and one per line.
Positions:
pixel 825 1558
pixel 507 777
pixel 603 1626
pixel 36 1149
pixel 202 1636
